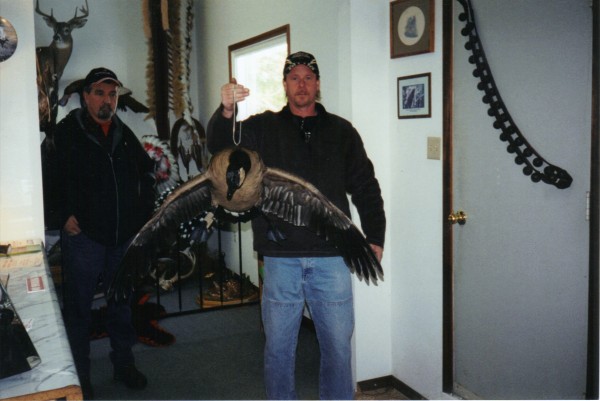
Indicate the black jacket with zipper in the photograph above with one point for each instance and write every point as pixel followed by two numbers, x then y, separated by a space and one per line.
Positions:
pixel 106 181
pixel 326 151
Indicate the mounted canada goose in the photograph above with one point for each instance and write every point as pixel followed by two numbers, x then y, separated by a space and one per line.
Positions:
pixel 238 182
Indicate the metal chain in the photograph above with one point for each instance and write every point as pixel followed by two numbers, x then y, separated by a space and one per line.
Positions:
pixel 237 141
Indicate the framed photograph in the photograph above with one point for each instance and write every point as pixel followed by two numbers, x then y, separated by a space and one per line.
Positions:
pixel 411 27
pixel 8 39
pixel 414 96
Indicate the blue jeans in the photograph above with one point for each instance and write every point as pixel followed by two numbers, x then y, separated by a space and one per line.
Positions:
pixel 325 285
pixel 86 262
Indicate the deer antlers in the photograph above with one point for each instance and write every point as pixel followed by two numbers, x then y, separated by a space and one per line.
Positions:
pixel 85 10
pixel 50 18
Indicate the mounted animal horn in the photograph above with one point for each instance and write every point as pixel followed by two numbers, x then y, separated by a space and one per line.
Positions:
pixel 52 60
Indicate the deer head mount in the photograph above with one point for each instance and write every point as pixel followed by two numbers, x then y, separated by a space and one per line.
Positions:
pixel 52 60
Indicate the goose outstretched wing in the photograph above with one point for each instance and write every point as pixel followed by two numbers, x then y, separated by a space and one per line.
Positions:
pixel 186 202
pixel 298 202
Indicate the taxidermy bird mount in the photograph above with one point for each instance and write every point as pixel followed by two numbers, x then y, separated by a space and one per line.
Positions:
pixel 237 183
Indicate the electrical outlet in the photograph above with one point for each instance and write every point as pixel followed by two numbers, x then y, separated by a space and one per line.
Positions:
pixel 434 145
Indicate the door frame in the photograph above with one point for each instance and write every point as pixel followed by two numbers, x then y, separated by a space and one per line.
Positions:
pixel 447 228
pixel 592 368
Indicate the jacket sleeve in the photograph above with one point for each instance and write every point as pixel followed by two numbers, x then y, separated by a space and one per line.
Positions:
pixel 66 169
pixel 218 132
pixel 365 192
pixel 145 167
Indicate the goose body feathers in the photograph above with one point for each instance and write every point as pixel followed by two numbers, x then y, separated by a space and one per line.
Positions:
pixel 238 181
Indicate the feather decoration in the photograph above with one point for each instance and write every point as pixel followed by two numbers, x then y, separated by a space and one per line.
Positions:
pixel 166 172
pixel 188 138
pixel 169 78
pixel 164 12
pixel 174 49
pixel 150 65
pixel 189 24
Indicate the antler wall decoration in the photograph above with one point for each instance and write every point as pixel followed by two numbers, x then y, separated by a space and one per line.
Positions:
pixel 535 166
pixel 51 61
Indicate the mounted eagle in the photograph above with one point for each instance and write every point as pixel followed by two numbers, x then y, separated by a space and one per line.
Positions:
pixel 237 182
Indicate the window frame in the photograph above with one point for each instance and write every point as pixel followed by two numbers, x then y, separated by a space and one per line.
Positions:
pixel 244 47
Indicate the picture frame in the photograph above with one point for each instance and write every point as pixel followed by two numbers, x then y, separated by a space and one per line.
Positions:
pixel 414 96
pixel 8 39
pixel 411 27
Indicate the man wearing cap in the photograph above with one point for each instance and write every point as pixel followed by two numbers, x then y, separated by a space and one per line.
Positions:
pixel 107 196
pixel 303 269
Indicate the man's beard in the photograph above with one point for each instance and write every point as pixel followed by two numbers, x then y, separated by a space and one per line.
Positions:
pixel 105 113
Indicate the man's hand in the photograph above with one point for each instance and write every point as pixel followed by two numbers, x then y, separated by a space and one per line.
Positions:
pixel 232 93
pixel 378 251
pixel 72 226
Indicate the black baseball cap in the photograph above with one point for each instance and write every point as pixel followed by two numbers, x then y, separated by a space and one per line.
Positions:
pixel 300 58
pixel 100 74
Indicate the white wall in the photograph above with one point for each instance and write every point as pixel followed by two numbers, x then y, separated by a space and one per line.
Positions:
pixel 370 115
pixel 21 210
pixel 416 193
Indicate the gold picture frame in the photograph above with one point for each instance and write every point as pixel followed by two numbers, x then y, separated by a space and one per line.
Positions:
pixel 411 27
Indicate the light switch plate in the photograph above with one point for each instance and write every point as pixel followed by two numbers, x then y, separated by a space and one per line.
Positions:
pixel 434 145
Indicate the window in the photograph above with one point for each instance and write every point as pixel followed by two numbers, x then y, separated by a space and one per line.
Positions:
pixel 257 63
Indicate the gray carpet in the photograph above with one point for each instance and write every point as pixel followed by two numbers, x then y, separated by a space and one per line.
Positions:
pixel 217 355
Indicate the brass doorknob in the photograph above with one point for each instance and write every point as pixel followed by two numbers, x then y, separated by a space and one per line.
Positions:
pixel 459 217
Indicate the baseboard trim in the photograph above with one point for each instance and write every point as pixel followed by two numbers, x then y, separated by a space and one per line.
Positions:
pixel 390 381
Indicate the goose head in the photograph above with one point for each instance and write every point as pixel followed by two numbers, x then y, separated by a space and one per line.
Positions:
pixel 239 166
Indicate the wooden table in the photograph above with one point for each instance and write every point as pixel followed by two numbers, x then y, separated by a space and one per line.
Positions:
pixel 38 307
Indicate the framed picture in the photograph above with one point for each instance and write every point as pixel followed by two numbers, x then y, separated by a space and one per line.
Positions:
pixel 8 39
pixel 411 27
pixel 414 96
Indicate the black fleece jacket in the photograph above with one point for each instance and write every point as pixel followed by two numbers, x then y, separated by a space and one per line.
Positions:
pixel 331 157
pixel 106 181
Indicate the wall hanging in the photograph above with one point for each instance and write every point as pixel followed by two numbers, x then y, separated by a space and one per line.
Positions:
pixel 51 61
pixel 414 96
pixel 411 27
pixel 8 39
pixel 534 165
pixel 168 28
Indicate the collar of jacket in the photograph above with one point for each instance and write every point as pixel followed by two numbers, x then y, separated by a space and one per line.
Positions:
pixel 87 123
pixel 321 112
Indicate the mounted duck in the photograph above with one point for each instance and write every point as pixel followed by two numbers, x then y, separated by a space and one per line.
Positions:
pixel 239 184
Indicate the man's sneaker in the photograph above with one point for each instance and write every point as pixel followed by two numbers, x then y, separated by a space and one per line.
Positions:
pixel 132 377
